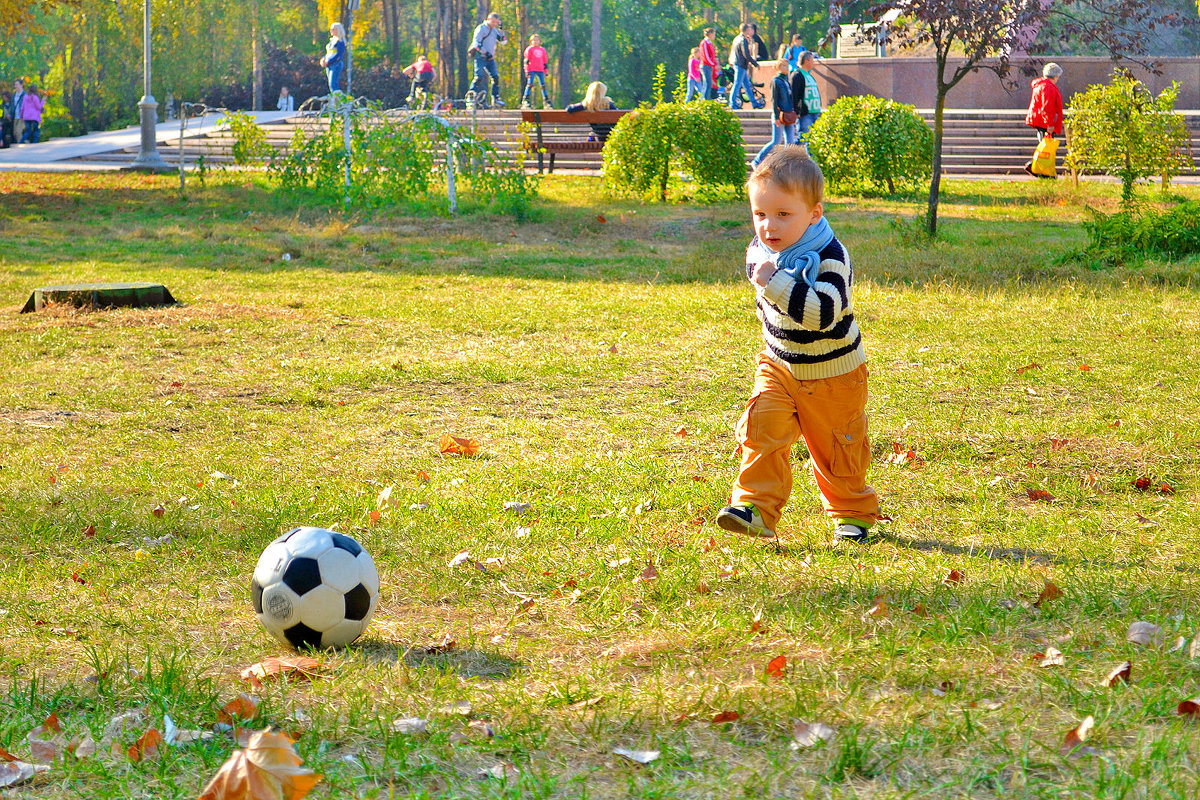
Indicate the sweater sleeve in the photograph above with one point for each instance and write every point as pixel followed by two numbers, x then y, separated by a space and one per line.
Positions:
pixel 818 307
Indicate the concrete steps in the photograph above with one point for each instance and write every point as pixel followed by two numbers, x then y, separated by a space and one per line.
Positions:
pixel 975 142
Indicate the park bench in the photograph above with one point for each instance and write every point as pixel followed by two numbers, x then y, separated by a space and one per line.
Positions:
pixel 554 141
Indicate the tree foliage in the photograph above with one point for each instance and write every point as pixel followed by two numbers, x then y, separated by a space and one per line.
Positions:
pixel 871 144
pixel 1122 129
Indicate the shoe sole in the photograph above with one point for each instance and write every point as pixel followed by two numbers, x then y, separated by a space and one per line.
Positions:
pixel 864 539
pixel 728 522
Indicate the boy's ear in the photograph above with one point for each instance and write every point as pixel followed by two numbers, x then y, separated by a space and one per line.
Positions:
pixel 817 213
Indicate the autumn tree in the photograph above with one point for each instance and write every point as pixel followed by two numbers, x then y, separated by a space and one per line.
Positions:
pixel 971 35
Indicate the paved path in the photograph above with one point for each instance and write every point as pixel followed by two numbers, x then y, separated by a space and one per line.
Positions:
pixel 47 156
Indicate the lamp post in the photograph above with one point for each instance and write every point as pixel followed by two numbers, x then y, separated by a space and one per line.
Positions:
pixel 148 157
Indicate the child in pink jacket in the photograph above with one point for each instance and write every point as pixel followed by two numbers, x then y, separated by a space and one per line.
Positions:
pixel 31 113
pixel 536 61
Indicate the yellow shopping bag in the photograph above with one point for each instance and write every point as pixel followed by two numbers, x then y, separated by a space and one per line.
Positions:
pixel 1043 157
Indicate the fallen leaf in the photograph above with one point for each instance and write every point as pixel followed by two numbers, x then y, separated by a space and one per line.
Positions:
pixel 710 545
pixel 1194 649
pixel 267 769
pixel 461 558
pixel 639 756
pixel 500 772
pixel 460 708
pixel 1180 643
pixel 613 349
pixel 1119 674
pixel 1145 634
pixel 45 741
pixel 1039 495
pixel 1145 521
pixel 146 746
pixel 702 588
pixel 920 610
pixel 1142 483
pixel 1050 591
pixel 383 498
pixel 1028 367
pixel 1058 444
pixel 17 772
pixel 648 574
pixel 1090 479
pixel 987 704
pixel 1051 658
pixel 756 624
pixel 879 610
pixel 299 667
pixel 726 716
pixel 374 516
pixel 1189 708
pixel 591 701
pixel 681 432
pixel 601 219
pixel 1084 368
pixel 457 445
pixel 409 725
pixel 516 508
pixel 443 645
pixel 159 511
pixel 6 756
pixel 244 707
pixel 955 576
pixel 777 666
pixel 901 455
pixel 89 532
pixel 1163 488
pixel 806 734
pixel 423 476
pixel 83 747
pixel 1073 741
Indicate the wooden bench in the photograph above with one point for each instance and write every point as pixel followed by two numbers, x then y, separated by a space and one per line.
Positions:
pixel 552 142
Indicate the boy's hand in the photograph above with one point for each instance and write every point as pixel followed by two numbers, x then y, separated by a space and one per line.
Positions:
pixel 762 273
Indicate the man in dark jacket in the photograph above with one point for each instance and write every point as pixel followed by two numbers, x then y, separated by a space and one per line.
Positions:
pixel 742 59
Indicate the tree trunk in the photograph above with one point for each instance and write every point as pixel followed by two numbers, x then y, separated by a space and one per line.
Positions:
pixel 564 61
pixel 596 9
pixel 935 180
pixel 256 91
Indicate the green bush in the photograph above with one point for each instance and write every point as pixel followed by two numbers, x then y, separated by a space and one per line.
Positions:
pixel 394 161
pixel 651 147
pixel 1123 130
pixel 249 140
pixel 1129 235
pixel 870 144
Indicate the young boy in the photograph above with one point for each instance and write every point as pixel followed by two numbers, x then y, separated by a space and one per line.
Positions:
pixel 811 379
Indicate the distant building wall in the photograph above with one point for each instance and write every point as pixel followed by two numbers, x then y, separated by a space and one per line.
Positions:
pixel 913 80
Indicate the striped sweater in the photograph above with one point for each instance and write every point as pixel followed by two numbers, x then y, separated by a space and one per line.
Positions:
pixel 810 330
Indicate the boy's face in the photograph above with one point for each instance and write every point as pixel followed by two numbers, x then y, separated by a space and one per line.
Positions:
pixel 780 217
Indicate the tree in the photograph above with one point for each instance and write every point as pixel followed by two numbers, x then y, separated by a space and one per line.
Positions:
pixel 971 35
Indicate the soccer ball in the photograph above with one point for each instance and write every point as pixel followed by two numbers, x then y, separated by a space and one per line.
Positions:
pixel 315 588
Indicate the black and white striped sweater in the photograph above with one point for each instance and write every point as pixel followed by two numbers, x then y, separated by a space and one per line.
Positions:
pixel 810 329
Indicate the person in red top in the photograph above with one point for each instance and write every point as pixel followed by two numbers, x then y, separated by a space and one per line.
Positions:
pixel 421 74
pixel 709 63
pixel 536 60
pixel 1046 106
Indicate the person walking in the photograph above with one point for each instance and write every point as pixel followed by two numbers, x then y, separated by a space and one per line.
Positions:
pixel 741 58
pixel 18 97
pixel 783 114
pixel 6 120
pixel 1045 113
pixel 31 114
pixel 695 78
pixel 487 35
pixel 709 63
pixel 806 97
pixel 334 60
pixel 536 61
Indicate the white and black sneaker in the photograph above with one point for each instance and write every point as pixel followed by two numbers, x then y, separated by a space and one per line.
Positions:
pixel 849 532
pixel 745 520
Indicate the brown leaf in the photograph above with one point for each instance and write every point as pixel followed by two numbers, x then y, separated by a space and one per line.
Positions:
pixel 702 588
pixel 1039 495
pixel 457 445
pixel 89 532
pixel 374 516
pixel 1028 367
pixel 681 432
pixel 710 545
pixel 267 769
pixel 613 349
pixel 756 624
pixel 13 773
pixel 777 666
pixel 1164 488
pixel 1146 634
pixel 423 476
pixel 1142 483
pixel 1073 741
pixel 1050 591
pixel 45 741
pixel 920 610
pixel 6 756
pixel 1119 674
pixel 699 479
pixel 879 610
pixel 648 574
pixel 1084 368
pixel 726 716
pixel 1058 444
pixel 297 667
pixel 443 645
pixel 1090 479
pixel 1189 708
pixel 601 219
pixel 243 707
pixel 146 746
pixel 159 511
pixel 904 455
pixel 806 734
pixel 955 576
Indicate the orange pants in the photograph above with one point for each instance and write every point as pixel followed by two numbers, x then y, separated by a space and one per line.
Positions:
pixel 830 413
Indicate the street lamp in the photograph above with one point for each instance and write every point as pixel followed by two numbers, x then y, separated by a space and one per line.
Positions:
pixel 148 157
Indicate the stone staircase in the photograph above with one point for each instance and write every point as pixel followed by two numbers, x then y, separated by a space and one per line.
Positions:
pixel 975 142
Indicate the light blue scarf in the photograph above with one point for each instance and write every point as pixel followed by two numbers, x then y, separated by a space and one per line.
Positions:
pixel 801 260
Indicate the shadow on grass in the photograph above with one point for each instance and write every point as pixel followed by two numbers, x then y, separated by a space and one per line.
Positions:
pixel 466 663
pixel 1020 555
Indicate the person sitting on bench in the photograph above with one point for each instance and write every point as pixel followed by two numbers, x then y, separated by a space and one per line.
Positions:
pixel 596 99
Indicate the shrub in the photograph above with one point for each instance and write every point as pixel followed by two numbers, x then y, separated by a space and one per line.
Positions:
pixel 1122 129
pixel 394 160
pixel 650 147
pixel 868 143
pixel 249 140
pixel 1128 235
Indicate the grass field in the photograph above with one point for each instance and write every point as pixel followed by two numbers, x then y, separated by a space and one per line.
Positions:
pixel 601 353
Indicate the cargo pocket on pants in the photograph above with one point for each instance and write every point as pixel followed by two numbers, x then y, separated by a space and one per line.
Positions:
pixel 851 449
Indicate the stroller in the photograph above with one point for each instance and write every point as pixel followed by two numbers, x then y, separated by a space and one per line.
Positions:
pixel 725 82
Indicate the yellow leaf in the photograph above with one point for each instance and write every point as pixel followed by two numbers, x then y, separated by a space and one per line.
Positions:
pixel 268 769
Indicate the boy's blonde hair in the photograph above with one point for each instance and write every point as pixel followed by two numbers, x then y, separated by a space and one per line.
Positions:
pixel 791 169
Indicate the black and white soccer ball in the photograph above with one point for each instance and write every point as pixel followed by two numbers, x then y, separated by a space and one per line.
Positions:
pixel 315 588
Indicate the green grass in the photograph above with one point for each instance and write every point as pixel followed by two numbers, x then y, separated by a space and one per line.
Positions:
pixel 319 381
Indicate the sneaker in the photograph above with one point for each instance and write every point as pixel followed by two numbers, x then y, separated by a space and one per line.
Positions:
pixel 743 519
pixel 525 105
pixel 498 103
pixel 849 532
pixel 1028 167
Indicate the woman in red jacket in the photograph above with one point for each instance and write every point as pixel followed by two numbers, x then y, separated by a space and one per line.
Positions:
pixel 1046 106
